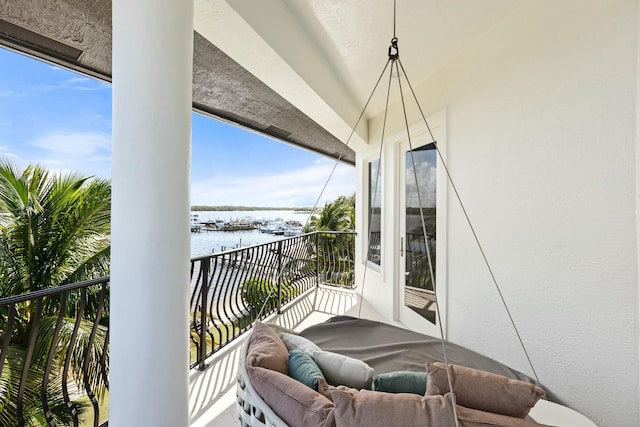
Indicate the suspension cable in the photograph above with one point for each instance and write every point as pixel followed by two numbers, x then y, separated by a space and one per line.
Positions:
pixel 375 191
pixel 427 246
pixel 394 19
pixel 353 131
pixel 473 231
pixel 394 59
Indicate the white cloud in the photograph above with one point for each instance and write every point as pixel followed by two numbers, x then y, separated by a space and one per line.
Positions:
pixel 7 153
pixel 427 178
pixel 78 79
pixel 293 188
pixel 85 84
pixel 73 83
pixel 7 93
pixel 63 150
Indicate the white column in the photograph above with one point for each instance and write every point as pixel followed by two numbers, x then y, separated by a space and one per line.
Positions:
pixel 637 326
pixel 152 84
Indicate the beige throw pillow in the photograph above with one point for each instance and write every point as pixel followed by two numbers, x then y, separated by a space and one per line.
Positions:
pixel 294 402
pixel 267 350
pixel 367 408
pixel 483 390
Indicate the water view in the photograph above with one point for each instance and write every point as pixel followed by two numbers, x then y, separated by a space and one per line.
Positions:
pixel 206 242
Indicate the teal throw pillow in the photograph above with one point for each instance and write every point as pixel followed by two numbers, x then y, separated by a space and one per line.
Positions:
pixel 401 382
pixel 303 368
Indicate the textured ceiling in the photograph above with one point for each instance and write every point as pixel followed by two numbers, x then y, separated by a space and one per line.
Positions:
pixel 77 34
pixel 300 71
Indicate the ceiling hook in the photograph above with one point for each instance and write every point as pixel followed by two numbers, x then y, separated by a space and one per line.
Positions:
pixel 393 49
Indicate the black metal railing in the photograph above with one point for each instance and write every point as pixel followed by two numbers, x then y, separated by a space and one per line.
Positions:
pixel 231 289
pixel 54 359
pixel 54 354
pixel 417 261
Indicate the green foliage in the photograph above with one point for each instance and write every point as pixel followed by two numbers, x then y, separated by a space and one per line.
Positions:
pixel 32 410
pixel 335 259
pixel 259 292
pixel 338 215
pixel 335 251
pixel 54 229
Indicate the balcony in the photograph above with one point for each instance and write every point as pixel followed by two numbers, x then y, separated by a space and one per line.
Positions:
pixel 63 333
pixel 212 392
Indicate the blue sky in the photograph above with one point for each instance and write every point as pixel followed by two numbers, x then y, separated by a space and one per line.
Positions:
pixel 62 120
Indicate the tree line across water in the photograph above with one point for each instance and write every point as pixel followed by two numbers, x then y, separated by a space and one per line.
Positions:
pixel 229 208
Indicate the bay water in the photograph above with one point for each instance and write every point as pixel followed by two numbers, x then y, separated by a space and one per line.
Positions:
pixel 206 242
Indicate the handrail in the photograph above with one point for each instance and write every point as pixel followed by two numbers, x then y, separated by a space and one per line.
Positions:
pixel 14 299
pixel 231 288
pixel 54 353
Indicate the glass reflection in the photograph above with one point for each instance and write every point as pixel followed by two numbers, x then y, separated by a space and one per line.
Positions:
pixel 419 286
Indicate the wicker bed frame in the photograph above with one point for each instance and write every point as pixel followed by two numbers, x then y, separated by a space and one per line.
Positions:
pixel 252 410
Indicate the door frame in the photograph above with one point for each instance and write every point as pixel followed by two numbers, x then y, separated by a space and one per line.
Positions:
pixel 420 136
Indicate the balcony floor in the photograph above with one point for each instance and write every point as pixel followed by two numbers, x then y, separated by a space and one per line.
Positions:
pixel 212 392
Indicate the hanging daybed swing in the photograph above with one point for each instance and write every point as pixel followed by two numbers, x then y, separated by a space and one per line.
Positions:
pixel 346 352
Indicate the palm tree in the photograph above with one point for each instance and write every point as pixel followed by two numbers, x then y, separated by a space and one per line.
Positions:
pixel 335 251
pixel 338 215
pixel 54 230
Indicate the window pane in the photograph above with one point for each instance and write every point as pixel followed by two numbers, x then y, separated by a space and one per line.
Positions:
pixel 375 202
pixel 419 287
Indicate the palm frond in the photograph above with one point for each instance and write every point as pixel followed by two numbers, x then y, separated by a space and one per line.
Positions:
pixel 32 406
pixel 53 228
pixel 83 354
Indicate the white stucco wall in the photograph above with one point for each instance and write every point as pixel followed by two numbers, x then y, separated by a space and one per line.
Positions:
pixel 371 282
pixel 637 328
pixel 541 124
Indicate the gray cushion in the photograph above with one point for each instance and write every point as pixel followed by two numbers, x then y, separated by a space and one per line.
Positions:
pixel 401 382
pixel 294 342
pixel 339 369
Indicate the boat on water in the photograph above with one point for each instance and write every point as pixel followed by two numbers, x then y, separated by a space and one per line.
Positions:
pixel 238 225
pixel 282 228
pixel 292 231
pixel 196 227
pixel 232 225
pixel 277 227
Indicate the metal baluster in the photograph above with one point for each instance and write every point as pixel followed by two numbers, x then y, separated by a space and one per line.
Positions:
pixel 50 359
pixel 68 356
pixel 219 295
pixel 104 369
pixel 35 325
pixel 317 239
pixel 204 293
pixel 6 339
pixel 195 298
pixel 85 363
pixel 279 276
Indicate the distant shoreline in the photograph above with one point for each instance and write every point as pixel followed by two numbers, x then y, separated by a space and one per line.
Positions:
pixel 200 208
